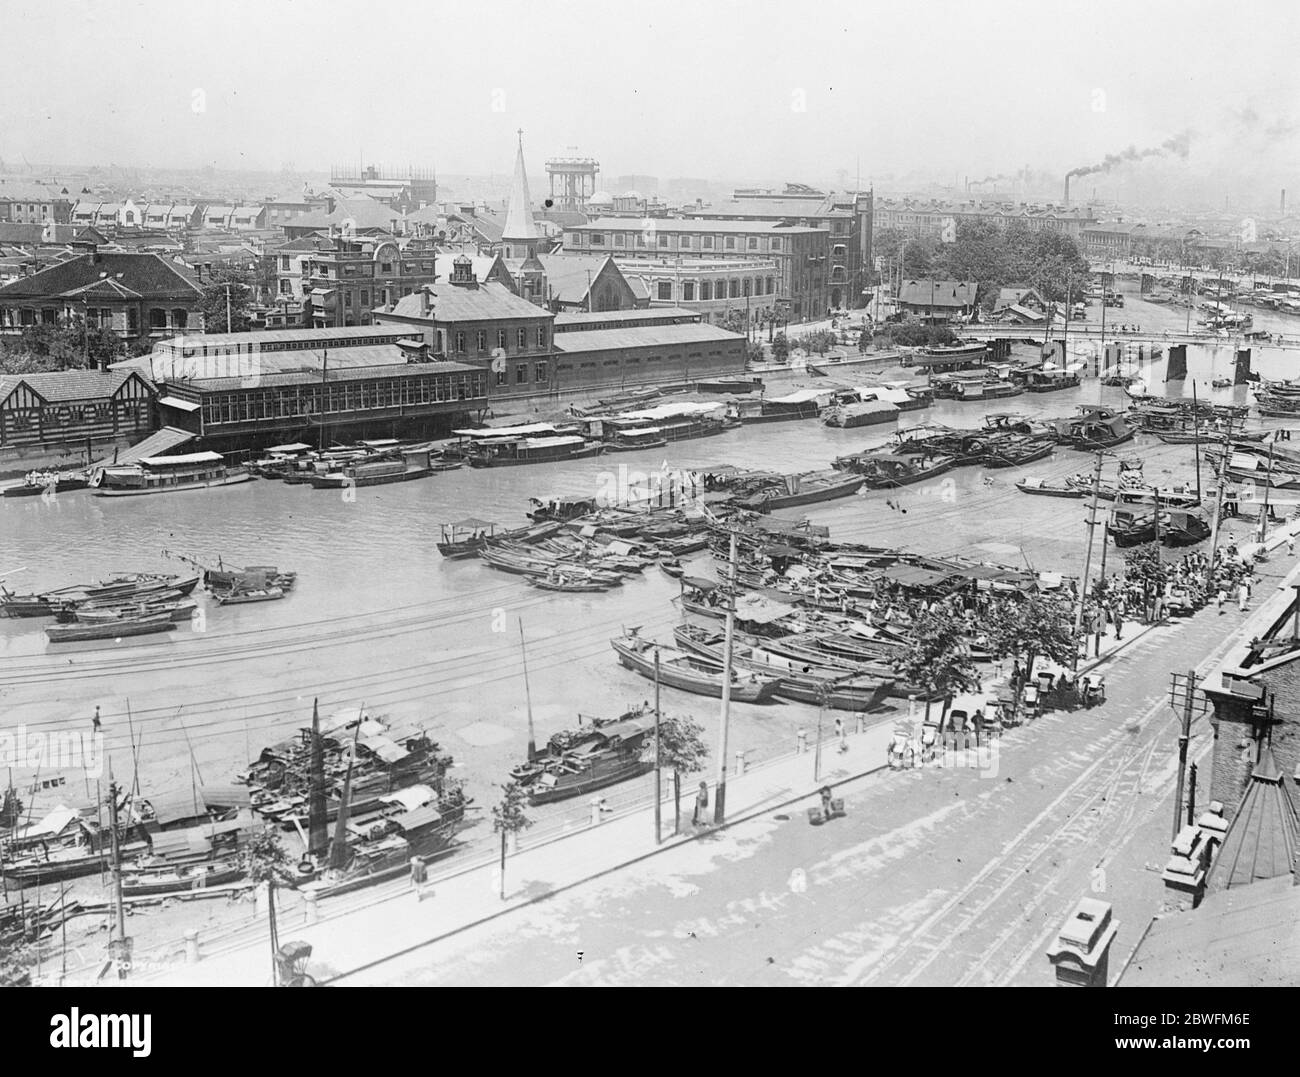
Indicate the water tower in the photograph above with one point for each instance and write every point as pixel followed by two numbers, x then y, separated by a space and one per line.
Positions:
pixel 572 180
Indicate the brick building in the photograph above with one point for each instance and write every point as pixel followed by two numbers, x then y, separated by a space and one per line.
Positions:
pixel 343 278
pixel 800 287
pixel 34 203
pixel 136 295
pixel 1255 697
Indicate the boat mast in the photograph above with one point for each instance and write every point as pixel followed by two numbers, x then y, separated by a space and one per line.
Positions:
pixel 317 834
pixel 528 695
pixel 119 947
pixel 1218 507
pixel 720 797
pixel 1196 436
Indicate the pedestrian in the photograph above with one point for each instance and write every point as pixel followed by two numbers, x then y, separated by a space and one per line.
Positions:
pixel 701 805
pixel 1220 596
pixel 1290 545
pixel 1119 625
pixel 826 802
pixel 95 722
pixel 841 734
pixel 1243 595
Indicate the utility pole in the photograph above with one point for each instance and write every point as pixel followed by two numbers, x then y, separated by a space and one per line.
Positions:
pixel 1196 436
pixel 1087 557
pixel 658 774
pixel 1183 740
pixel 720 798
pixel 528 695
pixel 1268 485
pixel 228 318
pixel 1218 508
pixel 120 948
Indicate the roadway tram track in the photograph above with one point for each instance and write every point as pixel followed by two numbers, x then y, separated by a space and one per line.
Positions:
pixel 1018 856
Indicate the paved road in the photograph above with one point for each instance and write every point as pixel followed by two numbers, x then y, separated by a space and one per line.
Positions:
pixel 958 875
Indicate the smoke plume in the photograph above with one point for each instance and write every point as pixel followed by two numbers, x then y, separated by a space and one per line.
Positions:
pixel 1178 146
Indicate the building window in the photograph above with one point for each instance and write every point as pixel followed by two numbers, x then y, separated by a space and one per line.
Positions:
pixel 775 243
pixel 688 291
pixel 541 336
pixel 735 289
pixel 665 289
pixel 521 374
pixel 706 291
pixel 663 240
pixel 541 372
pixel 684 242
pixel 752 243
pixel 640 239
pixel 597 239
pixel 747 285
pixel 481 340
pixel 501 339
pixel 771 285
pixel 521 337
pixel 620 240
pixel 48 316
pixel 460 341
pixel 706 243
pixel 158 318
pixel 386 268
pixel 501 377
pixel 729 243
pixel 285 287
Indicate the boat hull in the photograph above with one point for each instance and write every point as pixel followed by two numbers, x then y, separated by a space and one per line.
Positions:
pixel 693 681
pixel 206 484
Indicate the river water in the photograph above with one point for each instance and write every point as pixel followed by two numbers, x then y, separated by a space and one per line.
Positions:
pixel 378 619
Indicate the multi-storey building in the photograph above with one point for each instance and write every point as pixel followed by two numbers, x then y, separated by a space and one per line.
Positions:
pixel 346 277
pixel 34 203
pixel 719 289
pixel 800 289
pixel 400 189
pixel 136 295
pixel 846 219
pixel 931 218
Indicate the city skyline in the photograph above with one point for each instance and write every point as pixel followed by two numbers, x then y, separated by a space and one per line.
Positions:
pixel 827 98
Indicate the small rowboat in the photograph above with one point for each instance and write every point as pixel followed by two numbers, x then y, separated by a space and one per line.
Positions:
pixel 547 584
pixel 1043 489
pixel 134 626
pixel 673 567
pixel 261 594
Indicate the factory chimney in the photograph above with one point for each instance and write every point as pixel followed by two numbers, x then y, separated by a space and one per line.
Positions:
pixel 1067 191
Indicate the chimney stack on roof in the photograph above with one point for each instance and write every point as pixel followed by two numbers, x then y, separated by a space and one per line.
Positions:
pixel 425 301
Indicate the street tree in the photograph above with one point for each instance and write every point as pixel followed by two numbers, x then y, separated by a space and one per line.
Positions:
pixel 682 750
pixel 217 317
pixel 780 348
pixel 938 656
pixel 1035 626
pixel 265 861
pixel 508 818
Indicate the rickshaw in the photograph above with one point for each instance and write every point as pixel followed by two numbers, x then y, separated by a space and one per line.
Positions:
pixel 902 750
pixel 1031 701
pixel 929 741
pixel 291 964
pixel 1092 689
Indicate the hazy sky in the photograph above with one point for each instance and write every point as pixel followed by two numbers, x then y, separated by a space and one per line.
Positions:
pixel 758 90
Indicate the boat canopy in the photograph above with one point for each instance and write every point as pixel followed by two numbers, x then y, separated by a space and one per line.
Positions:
pixel 410 798
pixel 470 523
pixel 178 804
pixel 507 431
pixel 762 609
pixel 385 747
pixel 184 458
pixel 295 447
pixel 559 439
pixel 669 411
pixel 53 823
pixel 889 394
pixel 418 819
pixel 700 583
pixel 800 396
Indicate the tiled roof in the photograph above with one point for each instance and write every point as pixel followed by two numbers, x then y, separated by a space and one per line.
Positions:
pixel 643 336
pixel 31 234
pixel 453 303
pixel 146 274
pixel 11 191
pixel 66 386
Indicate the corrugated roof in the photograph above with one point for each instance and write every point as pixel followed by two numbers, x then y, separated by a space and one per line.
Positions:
pixel 643 336
pixel 945 293
pixel 1261 839
pixel 334 374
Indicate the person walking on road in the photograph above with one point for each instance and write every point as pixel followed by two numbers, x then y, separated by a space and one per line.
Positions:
pixel 701 805
pixel 1243 595
pixel 841 734
pixel 1220 596
pixel 1290 545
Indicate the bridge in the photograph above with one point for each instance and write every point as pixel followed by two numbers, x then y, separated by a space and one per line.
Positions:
pixel 1115 335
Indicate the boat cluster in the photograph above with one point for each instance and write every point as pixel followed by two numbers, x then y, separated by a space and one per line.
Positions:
pixel 141 603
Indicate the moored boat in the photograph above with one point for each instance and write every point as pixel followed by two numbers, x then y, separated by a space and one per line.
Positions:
pixel 127 626
pixel 1043 488
pixel 690 673
pixel 167 474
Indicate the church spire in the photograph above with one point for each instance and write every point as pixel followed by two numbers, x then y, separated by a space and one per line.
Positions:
pixel 520 232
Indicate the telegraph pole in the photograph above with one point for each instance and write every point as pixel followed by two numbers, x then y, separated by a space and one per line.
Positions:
pixel 120 947
pixel 720 798
pixel 1184 738
pixel 1087 557
pixel 658 773
pixel 1218 508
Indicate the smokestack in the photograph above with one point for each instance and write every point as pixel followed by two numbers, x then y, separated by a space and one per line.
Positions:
pixel 1067 191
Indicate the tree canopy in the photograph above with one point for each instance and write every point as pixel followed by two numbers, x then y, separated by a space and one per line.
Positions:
pixel 1036 626
pixel 67 345
pixel 213 303
pixel 938 657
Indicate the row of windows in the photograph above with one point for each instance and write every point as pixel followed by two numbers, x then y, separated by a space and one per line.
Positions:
pixel 348 397
pixel 461 338
pixel 705 290
pixel 684 242
pixel 521 374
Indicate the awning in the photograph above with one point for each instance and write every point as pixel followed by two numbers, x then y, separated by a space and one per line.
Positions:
pixel 802 396
pixel 178 403
pixel 506 431
pixel 186 458
pixel 470 523
pixel 699 583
